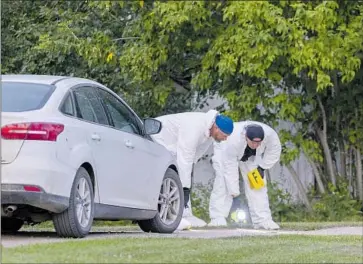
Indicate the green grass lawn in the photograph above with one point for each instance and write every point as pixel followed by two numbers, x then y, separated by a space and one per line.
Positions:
pixel 306 226
pixel 100 226
pixel 276 249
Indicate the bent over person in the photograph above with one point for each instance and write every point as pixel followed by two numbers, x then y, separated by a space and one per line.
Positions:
pixel 252 148
pixel 188 136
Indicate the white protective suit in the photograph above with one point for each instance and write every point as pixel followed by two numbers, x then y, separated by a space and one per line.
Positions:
pixel 187 137
pixel 226 162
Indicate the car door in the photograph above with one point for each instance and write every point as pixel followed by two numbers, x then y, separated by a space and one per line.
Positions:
pixel 96 125
pixel 132 154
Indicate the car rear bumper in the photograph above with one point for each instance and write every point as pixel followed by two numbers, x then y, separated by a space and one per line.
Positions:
pixel 54 177
pixel 12 195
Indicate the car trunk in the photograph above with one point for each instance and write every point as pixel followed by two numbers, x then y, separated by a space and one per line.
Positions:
pixel 20 103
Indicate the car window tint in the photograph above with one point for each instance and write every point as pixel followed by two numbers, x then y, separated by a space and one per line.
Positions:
pixel 88 106
pixel 84 107
pixel 121 116
pixel 22 97
pixel 99 109
pixel 67 106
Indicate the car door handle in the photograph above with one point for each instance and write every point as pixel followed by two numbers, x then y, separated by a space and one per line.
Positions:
pixel 96 137
pixel 129 144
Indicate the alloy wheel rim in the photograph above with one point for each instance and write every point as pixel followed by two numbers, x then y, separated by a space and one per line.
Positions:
pixel 83 202
pixel 169 201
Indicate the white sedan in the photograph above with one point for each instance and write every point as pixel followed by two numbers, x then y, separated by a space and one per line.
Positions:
pixel 73 151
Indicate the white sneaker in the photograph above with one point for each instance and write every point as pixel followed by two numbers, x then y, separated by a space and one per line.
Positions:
pixel 196 222
pixel 220 221
pixel 193 220
pixel 184 224
pixel 268 225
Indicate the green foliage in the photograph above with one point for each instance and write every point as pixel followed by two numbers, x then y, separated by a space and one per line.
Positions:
pixel 81 39
pixel 200 197
pixel 337 204
pixel 270 60
pixel 242 50
pixel 283 209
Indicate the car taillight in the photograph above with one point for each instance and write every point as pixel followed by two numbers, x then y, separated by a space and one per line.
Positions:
pixel 32 131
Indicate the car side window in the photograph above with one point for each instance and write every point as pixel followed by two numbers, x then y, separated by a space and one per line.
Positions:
pixel 67 105
pixel 89 106
pixel 121 116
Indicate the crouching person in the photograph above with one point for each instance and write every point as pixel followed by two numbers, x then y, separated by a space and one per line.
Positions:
pixel 188 136
pixel 252 148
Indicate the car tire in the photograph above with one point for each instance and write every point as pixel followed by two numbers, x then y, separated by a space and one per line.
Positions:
pixel 11 225
pixel 173 208
pixel 81 204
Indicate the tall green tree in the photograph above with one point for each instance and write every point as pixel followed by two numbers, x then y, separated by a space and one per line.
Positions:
pixel 293 63
pixel 83 39
pixel 271 60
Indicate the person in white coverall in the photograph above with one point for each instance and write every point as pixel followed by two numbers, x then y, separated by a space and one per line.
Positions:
pixel 188 136
pixel 251 145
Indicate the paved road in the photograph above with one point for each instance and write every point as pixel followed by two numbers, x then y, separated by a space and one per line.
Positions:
pixel 31 237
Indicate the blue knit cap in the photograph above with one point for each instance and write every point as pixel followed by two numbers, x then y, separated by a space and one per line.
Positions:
pixel 225 124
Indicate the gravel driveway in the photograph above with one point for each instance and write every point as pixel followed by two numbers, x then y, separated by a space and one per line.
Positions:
pixel 31 237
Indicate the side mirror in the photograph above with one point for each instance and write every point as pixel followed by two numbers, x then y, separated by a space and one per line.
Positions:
pixel 152 126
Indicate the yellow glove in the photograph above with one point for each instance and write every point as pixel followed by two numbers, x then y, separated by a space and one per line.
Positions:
pixel 255 179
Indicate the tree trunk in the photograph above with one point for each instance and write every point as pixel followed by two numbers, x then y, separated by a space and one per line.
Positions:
pixel 358 166
pixel 323 175
pixel 352 187
pixel 322 134
pixel 317 175
pixel 343 154
pixel 300 187
pixel 327 154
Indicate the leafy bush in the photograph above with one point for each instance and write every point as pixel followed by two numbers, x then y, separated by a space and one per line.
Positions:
pixel 282 207
pixel 336 204
pixel 200 196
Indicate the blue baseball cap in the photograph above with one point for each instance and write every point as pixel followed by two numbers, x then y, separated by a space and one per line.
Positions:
pixel 225 124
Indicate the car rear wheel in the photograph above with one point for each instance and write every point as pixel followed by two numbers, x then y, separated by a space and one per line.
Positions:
pixel 170 206
pixel 76 221
pixel 11 225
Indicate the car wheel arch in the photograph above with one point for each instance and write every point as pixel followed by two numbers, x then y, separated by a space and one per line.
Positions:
pixel 80 157
pixel 91 169
pixel 88 167
pixel 174 168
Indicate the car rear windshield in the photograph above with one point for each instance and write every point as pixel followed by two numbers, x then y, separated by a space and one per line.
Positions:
pixel 21 97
